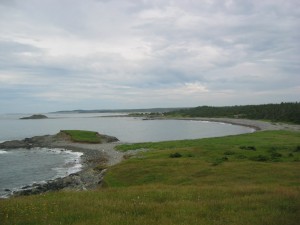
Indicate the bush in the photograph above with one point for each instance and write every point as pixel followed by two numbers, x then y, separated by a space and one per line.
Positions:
pixel 276 155
pixel 297 149
pixel 218 161
pixel 175 155
pixel 251 148
pixel 229 153
pixel 260 158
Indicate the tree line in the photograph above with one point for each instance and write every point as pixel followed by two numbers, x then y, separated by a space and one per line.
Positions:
pixel 283 112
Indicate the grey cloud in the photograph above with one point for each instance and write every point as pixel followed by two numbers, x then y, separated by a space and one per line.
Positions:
pixel 110 48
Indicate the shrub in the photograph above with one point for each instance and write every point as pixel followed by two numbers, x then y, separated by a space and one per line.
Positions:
pixel 229 153
pixel 275 155
pixel 175 155
pixel 260 158
pixel 218 161
pixel 297 149
pixel 251 148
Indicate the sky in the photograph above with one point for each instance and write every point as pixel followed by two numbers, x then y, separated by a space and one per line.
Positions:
pixel 122 54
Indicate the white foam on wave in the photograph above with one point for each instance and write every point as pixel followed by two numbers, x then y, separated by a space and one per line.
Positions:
pixel 3 152
pixel 72 164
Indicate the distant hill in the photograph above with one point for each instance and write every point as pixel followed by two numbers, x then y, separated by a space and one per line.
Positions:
pixel 150 110
pixel 284 112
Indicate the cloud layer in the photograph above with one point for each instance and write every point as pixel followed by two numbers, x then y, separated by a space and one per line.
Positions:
pixel 97 54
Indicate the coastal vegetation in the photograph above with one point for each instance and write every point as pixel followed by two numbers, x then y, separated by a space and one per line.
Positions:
pixel 83 136
pixel 284 112
pixel 243 179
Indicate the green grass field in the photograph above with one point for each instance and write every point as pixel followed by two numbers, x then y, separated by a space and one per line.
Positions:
pixel 245 179
pixel 83 136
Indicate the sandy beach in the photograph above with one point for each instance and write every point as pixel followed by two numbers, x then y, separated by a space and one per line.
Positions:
pixel 256 124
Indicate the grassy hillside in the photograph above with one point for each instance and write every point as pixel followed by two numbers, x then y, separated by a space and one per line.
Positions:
pixel 284 112
pixel 244 179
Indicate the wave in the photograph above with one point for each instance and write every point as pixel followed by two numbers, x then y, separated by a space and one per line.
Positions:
pixel 70 164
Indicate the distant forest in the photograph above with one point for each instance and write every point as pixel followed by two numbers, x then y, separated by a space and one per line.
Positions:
pixel 284 112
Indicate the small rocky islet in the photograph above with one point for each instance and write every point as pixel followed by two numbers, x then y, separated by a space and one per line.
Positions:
pixel 34 117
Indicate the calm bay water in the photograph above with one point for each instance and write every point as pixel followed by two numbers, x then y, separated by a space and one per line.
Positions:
pixel 22 167
pixel 126 129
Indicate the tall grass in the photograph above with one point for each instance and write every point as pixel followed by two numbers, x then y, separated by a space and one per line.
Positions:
pixel 216 181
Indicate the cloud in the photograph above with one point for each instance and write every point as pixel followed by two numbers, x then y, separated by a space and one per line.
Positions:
pixel 107 54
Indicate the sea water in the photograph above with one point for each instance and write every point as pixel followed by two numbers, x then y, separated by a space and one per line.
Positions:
pixel 23 167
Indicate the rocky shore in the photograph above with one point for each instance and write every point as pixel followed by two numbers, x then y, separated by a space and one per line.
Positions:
pixel 95 160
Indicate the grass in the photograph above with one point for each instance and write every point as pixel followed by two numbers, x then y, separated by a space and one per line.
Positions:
pixel 83 136
pixel 215 181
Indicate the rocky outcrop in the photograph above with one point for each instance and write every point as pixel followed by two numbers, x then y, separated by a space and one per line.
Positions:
pixel 84 180
pixel 95 159
pixel 47 141
pixel 36 116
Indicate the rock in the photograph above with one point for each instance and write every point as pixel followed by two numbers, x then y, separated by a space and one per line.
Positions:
pixel 35 116
pixel 13 144
pixel 108 139
pixel 83 180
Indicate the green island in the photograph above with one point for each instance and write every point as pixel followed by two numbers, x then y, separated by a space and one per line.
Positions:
pixel 244 179
pixel 83 136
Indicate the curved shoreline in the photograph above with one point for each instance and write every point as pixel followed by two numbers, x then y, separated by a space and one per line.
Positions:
pixel 258 125
pixel 97 157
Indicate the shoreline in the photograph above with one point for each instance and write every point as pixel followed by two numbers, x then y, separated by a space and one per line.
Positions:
pixel 97 158
pixel 258 125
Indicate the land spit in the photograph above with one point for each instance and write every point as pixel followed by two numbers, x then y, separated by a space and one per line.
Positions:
pixel 255 124
pixel 97 157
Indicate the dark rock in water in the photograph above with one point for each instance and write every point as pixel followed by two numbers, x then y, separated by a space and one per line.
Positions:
pixel 7 190
pixel 78 181
pixel 36 116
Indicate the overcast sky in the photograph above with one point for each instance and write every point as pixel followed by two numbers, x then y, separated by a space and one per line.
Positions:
pixel 108 54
